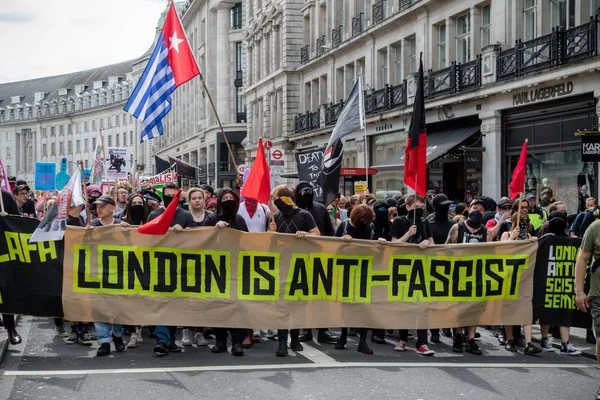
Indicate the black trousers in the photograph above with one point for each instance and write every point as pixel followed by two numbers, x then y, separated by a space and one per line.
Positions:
pixel 237 335
pixel 9 321
pixel 421 336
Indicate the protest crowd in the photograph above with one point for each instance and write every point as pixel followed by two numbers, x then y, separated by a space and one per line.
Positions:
pixel 402 219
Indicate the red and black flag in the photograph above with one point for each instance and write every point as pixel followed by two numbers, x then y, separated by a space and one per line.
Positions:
pixel 415 156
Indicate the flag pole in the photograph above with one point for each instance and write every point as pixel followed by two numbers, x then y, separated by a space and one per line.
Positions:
pixel 364 117
pixel 85 196
pixel 520 201
pixel 220 126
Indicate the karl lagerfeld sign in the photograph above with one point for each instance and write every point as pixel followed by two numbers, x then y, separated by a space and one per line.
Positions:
pixel 543 93
pixel 590 148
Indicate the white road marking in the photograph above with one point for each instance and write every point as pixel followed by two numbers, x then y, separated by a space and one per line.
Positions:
pixel 296 366
pixel 315 355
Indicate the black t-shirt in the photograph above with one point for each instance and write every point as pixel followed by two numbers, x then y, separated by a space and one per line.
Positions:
pixel 299 220
pixel 10 204
pixel 75 221
pixel 182 217
pixel 237 223
pixel 466 236
pixel 322 219
pixel 346 228
pixel 440 230
pixel 401 225
pixel 97 222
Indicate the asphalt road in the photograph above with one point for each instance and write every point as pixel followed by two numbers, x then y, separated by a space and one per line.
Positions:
pixel 44 367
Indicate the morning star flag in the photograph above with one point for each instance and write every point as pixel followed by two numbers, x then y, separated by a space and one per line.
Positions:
pixel 172 64
pixel 415 156
pixel 351 119
pixel 97 172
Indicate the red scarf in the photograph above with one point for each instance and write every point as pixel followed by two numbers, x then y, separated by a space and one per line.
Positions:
pixel 251 205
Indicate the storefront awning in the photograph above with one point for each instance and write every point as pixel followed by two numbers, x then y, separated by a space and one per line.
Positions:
pixel 438 144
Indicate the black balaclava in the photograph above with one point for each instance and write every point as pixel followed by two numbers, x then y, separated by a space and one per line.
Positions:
pixel 441 207
pixel 227 208
pixel 474 219
pixel 304 195
pixel 136 214
pixel 557 223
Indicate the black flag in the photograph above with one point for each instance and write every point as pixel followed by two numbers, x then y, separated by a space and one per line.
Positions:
pixel 161 165
pixel 350 120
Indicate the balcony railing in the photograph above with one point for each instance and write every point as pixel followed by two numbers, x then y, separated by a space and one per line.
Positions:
pixel 314 119
pixel 202 170
pixel 558 48
pixel 336 36
pixel 321 45
pixel 404 4
pixel 379 11
pixel 357 24
pixel 238 79
pixel 377 100
pixel 307 122
pixel 442 81
pixel 305 54
pixel 398 95
pixel 211 169
pixel 226 166
pixel 468 75
pixel 332 112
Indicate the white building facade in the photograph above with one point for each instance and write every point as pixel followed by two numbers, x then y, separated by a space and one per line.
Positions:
pixel 497 72
pixel 52 118
pixel 215 32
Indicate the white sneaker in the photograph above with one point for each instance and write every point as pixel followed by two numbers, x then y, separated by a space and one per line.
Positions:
pixel 186 339
pixel 546 345
pixel 200 339
pixel 138 333
pixel 400 346
pixel 133 341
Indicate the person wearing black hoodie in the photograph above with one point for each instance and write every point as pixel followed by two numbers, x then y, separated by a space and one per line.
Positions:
pixel 304 196
pixel 382 226
pixel 227 216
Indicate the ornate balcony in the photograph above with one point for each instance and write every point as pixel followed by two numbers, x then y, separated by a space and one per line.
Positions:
pixel 305 54
pixel 379 11
pixel 357 24
pixel 321 45
pixel 336 36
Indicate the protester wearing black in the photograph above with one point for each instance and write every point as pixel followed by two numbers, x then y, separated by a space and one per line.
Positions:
pixel 10 207
pixel 29 206
pixel 358 226
pixel 137 210
pixel 413 228
pixel 305 200
pixel 382 226
pixel 292 220
pixel 470 231
pixel 227 216
pixel 440 223
pixel 182 217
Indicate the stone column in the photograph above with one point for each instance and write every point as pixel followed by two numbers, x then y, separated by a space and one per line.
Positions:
pixel 22 138
pixel 224 81
pixel 491 130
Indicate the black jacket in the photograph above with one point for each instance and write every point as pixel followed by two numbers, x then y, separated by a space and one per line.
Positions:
pixel 236 223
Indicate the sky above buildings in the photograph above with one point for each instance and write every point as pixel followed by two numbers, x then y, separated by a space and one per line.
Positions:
pixel 52 37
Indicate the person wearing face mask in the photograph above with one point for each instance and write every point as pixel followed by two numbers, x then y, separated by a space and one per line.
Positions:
pixel 304 200
pixel 412 228
pixel 290 219
pixel 93 195
pixel 428 209
pixel 152 199
pixel 470 231
pixel 136 211
pixel 358 226
pixel 227 217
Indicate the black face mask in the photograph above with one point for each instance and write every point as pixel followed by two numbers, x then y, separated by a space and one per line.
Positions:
pixel 558 225
pixel 381 214
pixel 441 212
pixel 285 209
pixel 474 220
pixel 416 214
pixel 305 199
pixel 136 214
pixel 167 200
pixel 91 200
pixel 360 225
pixel 229 208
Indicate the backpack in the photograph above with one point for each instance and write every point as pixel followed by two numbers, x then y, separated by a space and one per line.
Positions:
pixel 345 230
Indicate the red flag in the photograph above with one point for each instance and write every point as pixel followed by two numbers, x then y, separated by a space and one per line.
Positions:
pixel 517 185
pixel 160 225
pixel 180 57
pixel 415 156
pixel 258 184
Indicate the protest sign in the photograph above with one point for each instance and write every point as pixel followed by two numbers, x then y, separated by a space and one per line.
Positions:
pixel 116 163
pixel 238 279
pixel 45 176
pixel 309 165
pixel 62 177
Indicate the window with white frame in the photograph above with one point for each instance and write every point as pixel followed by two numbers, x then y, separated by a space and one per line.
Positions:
pixel 595 7
pixel 486 25
pixel 463 38
pixel 563 13
pixel 383 67
pixel 530 10
pixel 397 64
pixel 442 62
pixel 412 54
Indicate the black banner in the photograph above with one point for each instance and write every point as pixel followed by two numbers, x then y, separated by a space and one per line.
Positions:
pixel 161 165
pixel 31 274
pixel 554 283
pixel 309 165
pixel 590 148
pixel 184 170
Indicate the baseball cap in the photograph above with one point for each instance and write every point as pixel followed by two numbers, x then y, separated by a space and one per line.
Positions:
pixel 430 193
pixel 93 188
pixel 18 188
pixel 529 196
pixel 476 201
pixel 503 202
pixel 149 195
pixel 441 199
pixel 105 200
